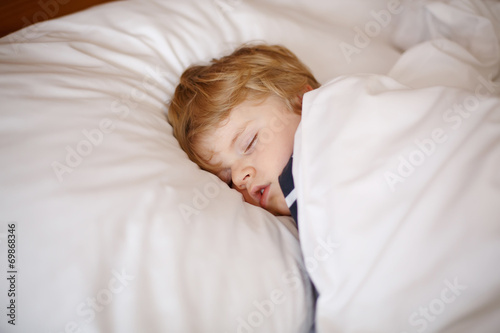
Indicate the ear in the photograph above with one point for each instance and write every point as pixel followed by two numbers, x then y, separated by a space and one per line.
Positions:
pixel 307 88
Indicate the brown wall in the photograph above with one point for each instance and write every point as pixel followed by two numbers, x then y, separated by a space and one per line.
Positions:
pixel 16 14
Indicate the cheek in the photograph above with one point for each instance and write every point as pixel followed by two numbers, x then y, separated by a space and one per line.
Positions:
pixel 285 142
pixel 275 149
pixel 286 134
pixel 279 206
pixel 280 138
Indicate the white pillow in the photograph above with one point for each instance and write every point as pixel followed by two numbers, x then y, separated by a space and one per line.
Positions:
pixel 116 230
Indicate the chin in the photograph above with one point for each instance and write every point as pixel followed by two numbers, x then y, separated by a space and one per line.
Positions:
pixel 278 207
pixel 280 211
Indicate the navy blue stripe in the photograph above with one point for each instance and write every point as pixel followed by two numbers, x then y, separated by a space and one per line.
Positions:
pixel 287 185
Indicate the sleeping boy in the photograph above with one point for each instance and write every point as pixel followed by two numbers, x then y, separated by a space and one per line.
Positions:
pixel 237 118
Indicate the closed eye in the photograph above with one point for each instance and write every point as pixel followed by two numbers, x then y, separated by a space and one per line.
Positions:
pixel 251 144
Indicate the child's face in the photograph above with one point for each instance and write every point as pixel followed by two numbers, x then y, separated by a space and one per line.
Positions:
pixel 253 146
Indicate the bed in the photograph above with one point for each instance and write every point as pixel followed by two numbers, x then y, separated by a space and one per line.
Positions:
pixel 105 224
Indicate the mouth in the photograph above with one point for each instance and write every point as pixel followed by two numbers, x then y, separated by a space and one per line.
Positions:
pixel 261 194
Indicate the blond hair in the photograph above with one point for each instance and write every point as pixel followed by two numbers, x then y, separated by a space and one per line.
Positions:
pixel 206 95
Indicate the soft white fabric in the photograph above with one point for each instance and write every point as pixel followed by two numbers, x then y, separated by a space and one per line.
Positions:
pixel 116 230
pixel 399 186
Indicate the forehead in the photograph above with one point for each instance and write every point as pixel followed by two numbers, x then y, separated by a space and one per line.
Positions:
pixel 216 142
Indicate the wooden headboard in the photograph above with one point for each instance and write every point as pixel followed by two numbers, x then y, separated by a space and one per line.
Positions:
pixel 17 14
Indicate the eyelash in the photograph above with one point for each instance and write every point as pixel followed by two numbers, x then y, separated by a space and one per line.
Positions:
pixel 252 143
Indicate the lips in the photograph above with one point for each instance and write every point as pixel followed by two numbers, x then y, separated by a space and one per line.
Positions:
pixel 261 194
pixel 264 197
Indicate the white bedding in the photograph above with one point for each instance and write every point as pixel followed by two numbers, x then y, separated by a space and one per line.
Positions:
pixel 116 230
pixel 399 176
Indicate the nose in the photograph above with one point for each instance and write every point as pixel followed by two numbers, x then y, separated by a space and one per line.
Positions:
pixel 242 176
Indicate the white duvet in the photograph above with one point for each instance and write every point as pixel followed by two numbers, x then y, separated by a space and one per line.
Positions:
pixel 398 181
